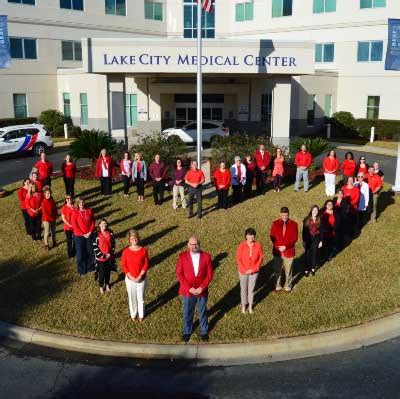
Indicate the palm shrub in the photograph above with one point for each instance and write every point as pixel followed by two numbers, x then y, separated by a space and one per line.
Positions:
pixel 315 145
pixel 90 143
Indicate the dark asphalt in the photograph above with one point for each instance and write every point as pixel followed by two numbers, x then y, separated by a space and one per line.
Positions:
pixel 28 372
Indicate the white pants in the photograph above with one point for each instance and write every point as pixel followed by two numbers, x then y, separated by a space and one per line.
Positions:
pixel 176 192
pixel 330 184
pixel 135 297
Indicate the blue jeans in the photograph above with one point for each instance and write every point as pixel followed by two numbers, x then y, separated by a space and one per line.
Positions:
pixel 189 304
pixel 301 173
pixel 84 254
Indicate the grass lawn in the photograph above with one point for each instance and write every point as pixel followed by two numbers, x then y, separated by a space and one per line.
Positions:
pixel 392 145
pixel 43 291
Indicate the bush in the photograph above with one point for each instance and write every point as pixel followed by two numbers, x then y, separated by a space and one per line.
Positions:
pixel 169 148
pixel 74 131
pixel 316 145
pixel 16 121
pixel 385 129
pixel 343 124
pixel 90 143
pixel 52 119
pixel 58 131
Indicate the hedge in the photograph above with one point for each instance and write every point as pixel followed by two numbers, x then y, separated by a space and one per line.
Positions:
pixel 16 121
pixel 385 129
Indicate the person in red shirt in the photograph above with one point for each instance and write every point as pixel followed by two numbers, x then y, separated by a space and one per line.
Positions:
pixel 104 172
pixel 249 256
pixel 83 226
pixel 49 217
pixel 135 263
pixel 222 182
pixel 158 172
pixel 194 179
pixel 67 211
pixel 22 193
pixel 45 169
pixel 362 166
pixel 33 203
pixel 263 159
pixel 348 166
pixel 34 179
pixel 331 166
pixel 375 185
pixel 329 224
pixel 303 161
pixel 352 195
pixel 284 235
pixel 251 168
pixel 125 166
pixel 194 273
pixel 68 168
pixel 278 170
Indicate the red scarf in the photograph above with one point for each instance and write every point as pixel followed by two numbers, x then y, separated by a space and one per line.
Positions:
pixel 239 172
pixel 105 242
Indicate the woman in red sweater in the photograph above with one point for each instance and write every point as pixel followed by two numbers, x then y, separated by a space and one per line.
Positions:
pixel 352 195
pixel 68 168
pixel 104 172
pixel 45 169
pixel 222 181
pixel 348 166
pixel 251 170
pixel 329 223
pixel 34 179
pixel 83 226
pixel 331 166
pixel 135 263
pixel 49 217
pixel 362 166
pixel 249 256
pixel 33 203
pixel 67 211
pixel 22 193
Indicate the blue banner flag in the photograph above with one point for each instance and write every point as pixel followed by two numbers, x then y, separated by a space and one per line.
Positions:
pixel 393 49
pixel 5 58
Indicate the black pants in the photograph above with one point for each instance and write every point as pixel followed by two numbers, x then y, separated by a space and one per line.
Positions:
pixel 140 186
pixel 69 183
pixel 222 199
pixel 69 235
pixel 277 182
pixel 248 187
pixel 25 215
pixel 237 193
pixel 158 192
pixel 104 269
pixel 126 180
pixel 47 182
pixel 106 185
pixel 195 192
pixel 362 219
pixel 312 254
pixel 35 225
pixel 261 182
pixel 330 247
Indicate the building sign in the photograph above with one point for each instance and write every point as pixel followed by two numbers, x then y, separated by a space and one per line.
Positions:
pixel 5 58
pixel 393 49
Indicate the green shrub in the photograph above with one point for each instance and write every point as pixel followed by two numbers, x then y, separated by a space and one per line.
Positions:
pixel 385 129
pixel 52 118
pixel 74 131
pixel 343 124
pixel 58 131
pixel 316 145
pixel 90 143
pixel 169 148
pixel 16 121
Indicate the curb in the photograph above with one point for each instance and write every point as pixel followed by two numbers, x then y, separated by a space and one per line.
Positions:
pixel 273 350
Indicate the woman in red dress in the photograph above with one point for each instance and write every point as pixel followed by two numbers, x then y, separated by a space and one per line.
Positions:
pixel 68 169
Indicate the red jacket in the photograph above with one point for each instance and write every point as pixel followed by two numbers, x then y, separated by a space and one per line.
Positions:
pixel 49 210
pixel 262 161
pixel 374 182
pixel 69 170
pixel 288 240
pixel 34 202
pixel 331 165
pixel 353 196
pixel 45 169
pixel 22 196
pixel 303 159
pixel 222 179
pixel 185 273
pixel 83 222
pixel 349 167
pixel 247 260
pixel 108 162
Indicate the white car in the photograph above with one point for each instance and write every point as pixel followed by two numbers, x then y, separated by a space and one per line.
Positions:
pixel 188 132
pixel 24 138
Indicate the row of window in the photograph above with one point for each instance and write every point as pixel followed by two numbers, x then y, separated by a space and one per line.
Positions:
pixel 152 9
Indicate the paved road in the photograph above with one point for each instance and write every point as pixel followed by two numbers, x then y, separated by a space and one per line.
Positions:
pixel 31 372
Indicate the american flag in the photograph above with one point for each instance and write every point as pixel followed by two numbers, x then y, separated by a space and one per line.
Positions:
pixel 207 5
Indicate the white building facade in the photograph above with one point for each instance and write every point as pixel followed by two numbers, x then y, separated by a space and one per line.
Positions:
pixel 120 66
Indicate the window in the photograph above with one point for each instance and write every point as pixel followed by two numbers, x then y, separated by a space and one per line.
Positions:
pixel 23 48
pixel 115 7
pixel 324 52
pixel 281 8
pixel 328 106
pixel 373 107
pixel 67 105
pixel 372 3
pixel 72 4
pixel 84 109
pixel 244 11
pixel 30 2
pixel 320 6
pixel 20 106
pixel 370 51
pixel 71 51
pixel 310 109
pixel 153 10
pixel 131 109
pixel 190 21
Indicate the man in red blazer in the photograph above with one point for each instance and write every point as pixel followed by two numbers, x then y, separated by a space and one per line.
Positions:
pixel 194 272
pixel 284 235
pixel 263 159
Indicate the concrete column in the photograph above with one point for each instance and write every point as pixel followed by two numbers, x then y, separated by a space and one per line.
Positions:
pixel 281 111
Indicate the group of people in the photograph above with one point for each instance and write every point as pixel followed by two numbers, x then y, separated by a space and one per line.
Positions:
pixel 324 231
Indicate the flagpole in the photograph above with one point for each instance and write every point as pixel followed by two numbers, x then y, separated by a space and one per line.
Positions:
pixel 199 85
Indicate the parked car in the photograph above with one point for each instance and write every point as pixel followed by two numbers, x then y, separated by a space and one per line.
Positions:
pixel 25 138
pixel 188 132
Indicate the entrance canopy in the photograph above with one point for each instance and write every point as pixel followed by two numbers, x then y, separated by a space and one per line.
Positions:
pixel 179 56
